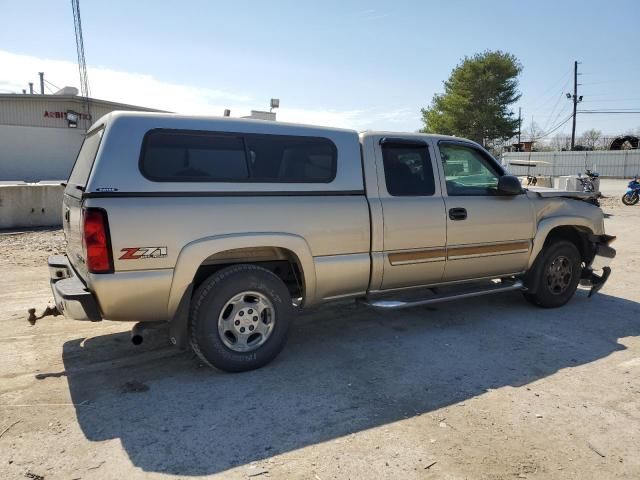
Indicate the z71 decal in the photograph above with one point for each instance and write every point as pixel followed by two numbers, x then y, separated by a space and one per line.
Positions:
pixel 137 253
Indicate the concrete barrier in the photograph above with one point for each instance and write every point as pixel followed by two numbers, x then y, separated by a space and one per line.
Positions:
pixel 30 205
pixel 541 182
pixel 571 183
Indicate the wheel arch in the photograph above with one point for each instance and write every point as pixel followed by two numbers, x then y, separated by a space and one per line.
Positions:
pixel 573 229
pixel 211 253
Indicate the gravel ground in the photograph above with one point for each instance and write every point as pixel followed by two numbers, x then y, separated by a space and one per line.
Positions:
pixel 491 388
pixel 29 247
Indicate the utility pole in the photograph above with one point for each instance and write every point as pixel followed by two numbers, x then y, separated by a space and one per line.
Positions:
pixel 576 99
pixel 41 82
pixel 519 126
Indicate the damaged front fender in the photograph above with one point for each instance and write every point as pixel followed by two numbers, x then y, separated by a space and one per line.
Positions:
pixel 597 272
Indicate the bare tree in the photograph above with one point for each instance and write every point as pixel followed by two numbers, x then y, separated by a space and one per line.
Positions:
pixel 561 141
pixel 591 138
pixel 533 131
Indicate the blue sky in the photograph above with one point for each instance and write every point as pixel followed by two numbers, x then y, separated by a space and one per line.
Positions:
pixel 360 64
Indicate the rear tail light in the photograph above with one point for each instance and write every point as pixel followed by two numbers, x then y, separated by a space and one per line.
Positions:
pixel 96 241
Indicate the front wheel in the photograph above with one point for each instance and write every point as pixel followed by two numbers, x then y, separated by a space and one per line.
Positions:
pixel 558 274
pixel 240 318
pixel 630 198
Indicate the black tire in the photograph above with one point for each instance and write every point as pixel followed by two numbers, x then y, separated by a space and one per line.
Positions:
pixel 558 270
pixel 630 199
pixel 207 305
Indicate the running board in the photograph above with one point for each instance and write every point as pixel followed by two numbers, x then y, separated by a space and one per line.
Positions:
pixel 398 304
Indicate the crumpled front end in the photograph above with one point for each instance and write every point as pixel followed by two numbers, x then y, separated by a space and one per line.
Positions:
pixel 597 272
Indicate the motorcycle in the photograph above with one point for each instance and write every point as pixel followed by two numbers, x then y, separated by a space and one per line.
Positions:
pixel 588 183
pixel 632 194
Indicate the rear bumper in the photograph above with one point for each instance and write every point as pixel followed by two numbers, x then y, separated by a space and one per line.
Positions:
pixel 597 272
pixel 72 297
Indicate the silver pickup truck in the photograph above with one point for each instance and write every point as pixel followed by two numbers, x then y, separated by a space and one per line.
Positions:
pixel 220 229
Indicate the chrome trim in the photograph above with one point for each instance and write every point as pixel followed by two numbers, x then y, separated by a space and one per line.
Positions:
pixel 491 254
pixel 411 262
pixel 488 249
pixel 406 257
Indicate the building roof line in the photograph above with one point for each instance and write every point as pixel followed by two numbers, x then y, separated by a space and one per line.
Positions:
pixel 76 99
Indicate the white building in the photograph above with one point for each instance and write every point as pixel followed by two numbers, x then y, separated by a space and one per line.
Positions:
pixel 40 135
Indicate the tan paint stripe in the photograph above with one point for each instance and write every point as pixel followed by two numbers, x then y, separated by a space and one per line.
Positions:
pixel 487 249
pixel 416 256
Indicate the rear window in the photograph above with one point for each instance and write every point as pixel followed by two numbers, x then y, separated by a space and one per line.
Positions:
pixel 183 156
pixel 84 160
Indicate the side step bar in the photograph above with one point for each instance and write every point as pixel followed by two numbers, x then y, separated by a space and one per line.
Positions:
pixel 398 304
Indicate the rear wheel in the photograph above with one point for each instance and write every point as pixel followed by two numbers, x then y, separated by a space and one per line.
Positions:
pixel 558 274
pixel 240 318
pixel 630 198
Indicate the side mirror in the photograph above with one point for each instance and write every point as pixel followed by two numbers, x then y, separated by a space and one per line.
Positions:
pixel 509 185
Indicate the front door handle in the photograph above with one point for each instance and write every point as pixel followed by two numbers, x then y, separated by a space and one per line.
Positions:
pixel 458 213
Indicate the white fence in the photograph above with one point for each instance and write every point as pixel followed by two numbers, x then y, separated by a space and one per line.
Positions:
pixel 608 163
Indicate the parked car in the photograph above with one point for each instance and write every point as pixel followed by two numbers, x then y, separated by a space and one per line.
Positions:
pixel 220 229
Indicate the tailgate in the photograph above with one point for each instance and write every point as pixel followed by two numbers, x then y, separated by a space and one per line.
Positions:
pixel 72 225
pixel 72 201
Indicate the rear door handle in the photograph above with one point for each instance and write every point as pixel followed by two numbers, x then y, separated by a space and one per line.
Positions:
pixel 67 215
pixel 458 213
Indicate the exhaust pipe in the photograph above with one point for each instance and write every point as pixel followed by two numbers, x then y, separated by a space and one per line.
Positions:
pixel 139 330
pixel 136 334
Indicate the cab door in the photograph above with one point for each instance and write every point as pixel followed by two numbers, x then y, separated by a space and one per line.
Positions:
pixel 414 225
pixel 488 234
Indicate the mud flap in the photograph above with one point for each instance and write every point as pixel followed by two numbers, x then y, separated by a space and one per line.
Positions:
pixel 179 325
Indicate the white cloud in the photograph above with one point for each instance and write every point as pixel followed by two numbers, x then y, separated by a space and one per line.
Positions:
pixel 117 86
pixel 149 91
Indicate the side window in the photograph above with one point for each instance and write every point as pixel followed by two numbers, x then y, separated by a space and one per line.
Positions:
pixel 467 171
pixel 408 170
pixel 185 156
pixel 280 158
pixel 170 156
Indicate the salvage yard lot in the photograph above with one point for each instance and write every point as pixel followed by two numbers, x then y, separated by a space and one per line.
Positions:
pixel 490 388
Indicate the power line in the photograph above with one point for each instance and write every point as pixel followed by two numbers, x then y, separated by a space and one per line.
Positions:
pixel 544 105
pixel 549 121
pixel 555 128
pixel 563 112
pixel 611 112
pixel 607 100
pixel 621 109
pixel 553 87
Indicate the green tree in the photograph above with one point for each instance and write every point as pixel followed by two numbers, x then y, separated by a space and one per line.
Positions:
pixel 476 99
